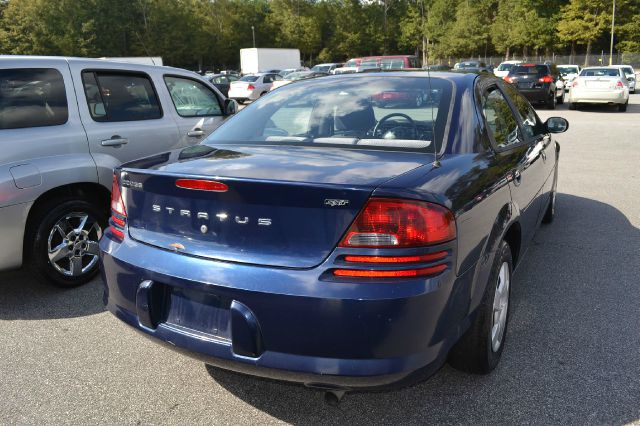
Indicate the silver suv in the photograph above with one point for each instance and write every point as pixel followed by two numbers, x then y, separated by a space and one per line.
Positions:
pixel 65 123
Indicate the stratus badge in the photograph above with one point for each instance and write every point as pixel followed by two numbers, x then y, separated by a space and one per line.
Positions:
pixel 334 202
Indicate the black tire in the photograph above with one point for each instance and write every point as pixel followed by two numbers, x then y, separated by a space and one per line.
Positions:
pixel 573 106
pixel 474 352
pixel 550 213
pixel 623 107
pixel 551 101
pixel 560 99
pixel 42 226
pixel 262 94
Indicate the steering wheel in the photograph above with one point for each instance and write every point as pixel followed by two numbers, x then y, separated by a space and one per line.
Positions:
pixel 396 114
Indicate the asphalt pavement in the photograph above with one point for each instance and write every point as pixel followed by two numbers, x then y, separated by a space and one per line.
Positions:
pixel 572 353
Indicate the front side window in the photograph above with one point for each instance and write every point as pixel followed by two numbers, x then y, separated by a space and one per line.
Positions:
pixel 500 119
pixel 192 98
pixel 115 96
pixel 532 127
pixel 33 97
pixel 404 113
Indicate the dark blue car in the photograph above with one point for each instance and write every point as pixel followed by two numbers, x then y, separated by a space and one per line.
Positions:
pixel 320 238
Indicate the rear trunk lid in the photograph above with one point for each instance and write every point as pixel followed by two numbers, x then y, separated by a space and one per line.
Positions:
pixel 283 207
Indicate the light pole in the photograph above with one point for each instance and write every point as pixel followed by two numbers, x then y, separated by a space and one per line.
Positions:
pixel 253 34
pixel 613 23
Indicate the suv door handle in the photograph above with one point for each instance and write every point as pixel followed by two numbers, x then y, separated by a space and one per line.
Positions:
pixel 114 141
pixel 195 133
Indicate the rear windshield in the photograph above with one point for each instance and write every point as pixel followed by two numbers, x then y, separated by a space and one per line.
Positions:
pixel 600 72
pixel 382 112
pixel 568 70
pixel 538 70
pixel 249 78
pixel 505 67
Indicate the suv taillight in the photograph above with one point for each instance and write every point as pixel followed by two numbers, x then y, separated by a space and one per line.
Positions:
pixel 395 223
pixel 546 79
pixel 118 219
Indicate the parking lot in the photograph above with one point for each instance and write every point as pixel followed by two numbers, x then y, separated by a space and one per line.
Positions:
pixel 572 354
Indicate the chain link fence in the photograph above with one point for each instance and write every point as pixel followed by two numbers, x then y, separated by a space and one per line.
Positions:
pixel 601 58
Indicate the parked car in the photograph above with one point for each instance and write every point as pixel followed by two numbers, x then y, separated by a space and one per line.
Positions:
pixel 470 66
pixel 328 67
pixel 222 81
pixel 295 76
pixel 389 62
pixel 288 71
pixel 600 85
pixel 630 75
pixel 436 67
pixel 369 263
pixel 538 83
pixel 503 69
pixel 251 87
pixel 568 73
pixel 65 123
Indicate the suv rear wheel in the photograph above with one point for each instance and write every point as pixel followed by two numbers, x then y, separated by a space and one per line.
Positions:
pixel 63 245
pixel 551 101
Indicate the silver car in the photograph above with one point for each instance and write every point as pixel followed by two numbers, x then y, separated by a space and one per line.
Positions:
pixel 65 123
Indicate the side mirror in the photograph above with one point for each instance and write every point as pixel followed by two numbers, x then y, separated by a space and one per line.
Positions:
pixel 556 125
pixel 230 106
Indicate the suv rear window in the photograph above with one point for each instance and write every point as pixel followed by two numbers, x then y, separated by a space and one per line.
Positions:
pixel 33 97
pixel 116 96
pixel 538 70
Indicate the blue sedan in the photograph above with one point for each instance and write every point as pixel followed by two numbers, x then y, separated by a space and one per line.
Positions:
pixel 322 237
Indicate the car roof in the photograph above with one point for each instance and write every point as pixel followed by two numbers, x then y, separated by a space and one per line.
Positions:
pixel 89 61
pixel 462 79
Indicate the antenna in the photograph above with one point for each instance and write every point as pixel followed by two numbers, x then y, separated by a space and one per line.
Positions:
pixel 144 47
pixel 435 163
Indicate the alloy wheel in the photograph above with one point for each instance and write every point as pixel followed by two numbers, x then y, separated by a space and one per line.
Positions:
pixel 500 307
pixel 73 244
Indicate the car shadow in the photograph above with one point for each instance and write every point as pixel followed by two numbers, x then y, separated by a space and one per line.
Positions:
pixel 571 354
pixel 22 297
pixel 631 108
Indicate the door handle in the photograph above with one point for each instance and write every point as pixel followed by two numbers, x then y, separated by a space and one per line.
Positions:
pixel 195 133
pixel 517 178
pixel 114 141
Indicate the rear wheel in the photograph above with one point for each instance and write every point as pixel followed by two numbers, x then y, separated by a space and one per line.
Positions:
pixel 551 101
pixel 560 99
pixel 573 105
pixel 623 107
pixel 479 350
pixel 63 245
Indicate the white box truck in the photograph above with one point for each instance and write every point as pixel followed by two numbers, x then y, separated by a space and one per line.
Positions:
pixel 255 59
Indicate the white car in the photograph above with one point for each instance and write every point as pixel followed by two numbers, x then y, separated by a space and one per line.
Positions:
pixel 600 85
pixel 328 68
pixel 251 87
pixel 568 73
pixel 503 69
pixel 631 76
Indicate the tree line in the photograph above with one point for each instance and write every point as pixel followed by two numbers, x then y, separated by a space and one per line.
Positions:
pixel 199 34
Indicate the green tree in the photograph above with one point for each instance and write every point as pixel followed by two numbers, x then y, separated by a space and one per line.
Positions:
pixel 583 22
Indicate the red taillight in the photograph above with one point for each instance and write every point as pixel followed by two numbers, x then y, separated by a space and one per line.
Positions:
pixel 397 259
pixel 545 79
pixel 117 205
pixel 359 273
pixel 118 212
pixel 386 222
pixel 619 85
pixel 508 79
pixel 251 87
pixel 202 185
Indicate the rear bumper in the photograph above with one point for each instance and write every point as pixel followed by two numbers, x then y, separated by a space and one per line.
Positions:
pixel 598 97
pixel 289 324
pixel 535 95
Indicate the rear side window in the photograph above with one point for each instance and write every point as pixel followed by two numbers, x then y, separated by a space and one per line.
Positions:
pixel 33 97
pixel 192 98
pixel 500 119
pixel 115 96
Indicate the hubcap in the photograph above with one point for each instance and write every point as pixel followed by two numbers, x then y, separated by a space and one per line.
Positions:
pixel 500 307
pixel 73 244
